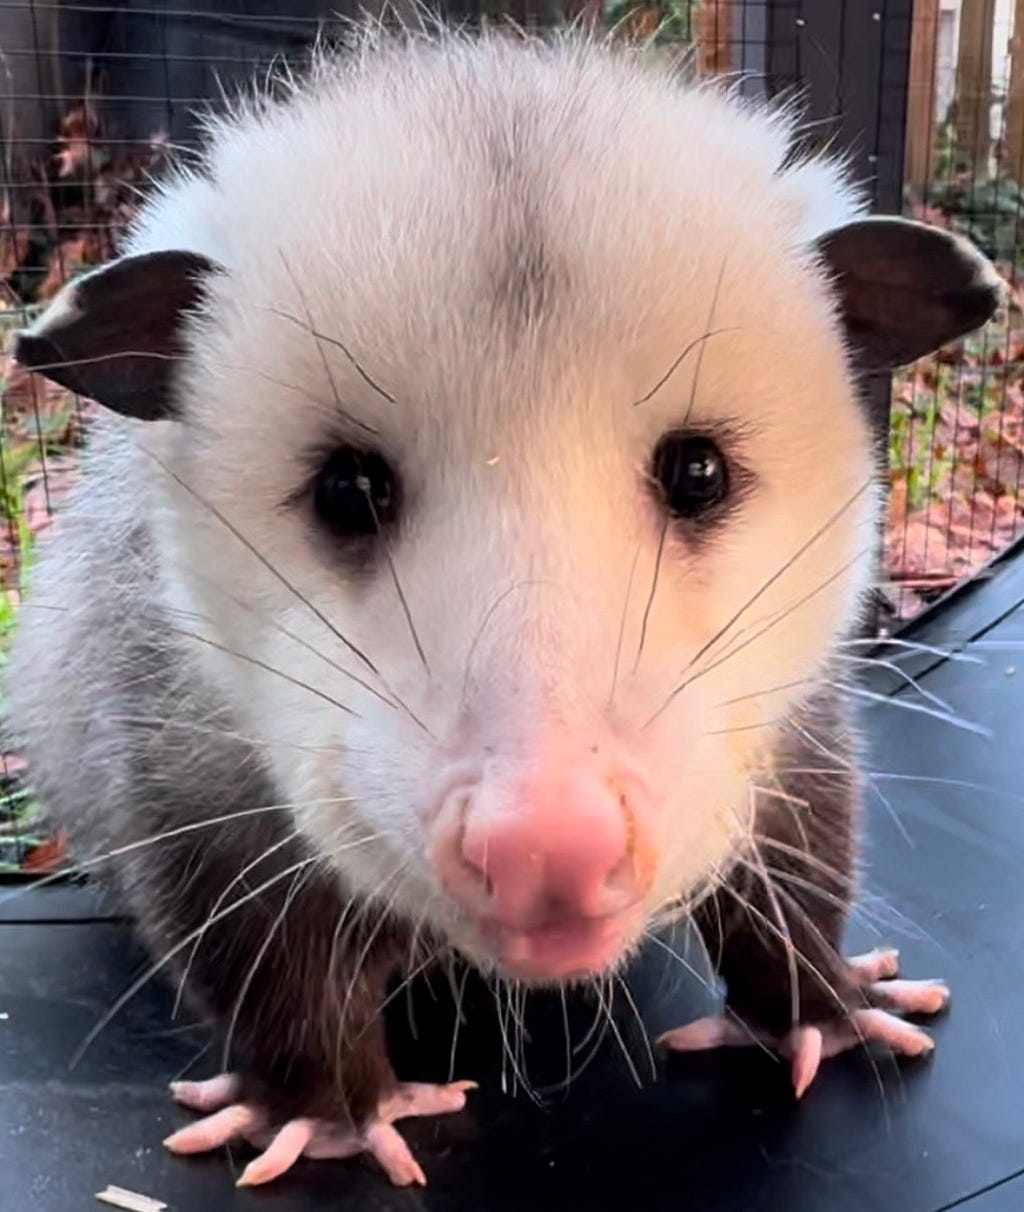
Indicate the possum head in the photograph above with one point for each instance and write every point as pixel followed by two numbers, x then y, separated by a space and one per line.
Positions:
pixel 506 455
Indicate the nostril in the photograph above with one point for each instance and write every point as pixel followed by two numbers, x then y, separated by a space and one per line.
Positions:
pixel 634 871
pixel 474 869
pixel 477 875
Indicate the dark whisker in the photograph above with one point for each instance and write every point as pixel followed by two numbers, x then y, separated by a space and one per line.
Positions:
pixel 700 342
pixel 697 342
pixel 780 572
pixel 237 600
pixel 320 348
pixel 703 346
pixel 757 694
pixel 780 617
pixel 241 656
pixel 322 336
pixel 393 569
pixel 275 572
pixel 768 627
pixel 650 597
pixel 262 374
pixel 622 629
pixel 772 723
pixel 489 614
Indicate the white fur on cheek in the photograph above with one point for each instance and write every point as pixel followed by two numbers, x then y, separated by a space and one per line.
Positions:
pixel 500 321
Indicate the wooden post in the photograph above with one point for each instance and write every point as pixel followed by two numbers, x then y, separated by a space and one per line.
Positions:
pixel 1013 138
pixel 714 36
pixel 972 101
pixel 924 43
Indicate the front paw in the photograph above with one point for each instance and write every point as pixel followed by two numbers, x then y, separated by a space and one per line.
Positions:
pixel 226 1120
pixel 807 1045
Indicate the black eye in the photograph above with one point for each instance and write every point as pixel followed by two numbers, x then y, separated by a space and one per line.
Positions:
pixel 356 493
pixel 692 472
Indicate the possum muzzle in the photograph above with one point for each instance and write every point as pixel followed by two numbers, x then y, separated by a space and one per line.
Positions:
pixel 551 864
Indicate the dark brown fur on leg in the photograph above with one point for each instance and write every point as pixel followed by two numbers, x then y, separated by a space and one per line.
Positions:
pixel 805 833
pixel 306 1034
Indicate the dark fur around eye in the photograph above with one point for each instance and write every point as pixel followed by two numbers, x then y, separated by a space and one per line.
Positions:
pixel 356 493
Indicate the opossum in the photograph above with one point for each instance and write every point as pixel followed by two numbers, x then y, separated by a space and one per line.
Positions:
pixel 485 491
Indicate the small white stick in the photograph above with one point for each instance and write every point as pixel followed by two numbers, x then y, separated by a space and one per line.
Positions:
pixel 129 1201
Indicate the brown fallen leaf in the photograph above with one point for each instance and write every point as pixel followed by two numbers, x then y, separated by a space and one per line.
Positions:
pixel 47 856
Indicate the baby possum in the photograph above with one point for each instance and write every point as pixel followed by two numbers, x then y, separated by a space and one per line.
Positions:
pixel 484 494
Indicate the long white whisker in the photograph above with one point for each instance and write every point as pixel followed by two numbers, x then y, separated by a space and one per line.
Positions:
pixel 902 704
pixel 460 995
pixel 158 965
pixel 238 879
pixel 166 835
pixel 298 880
pixel 904 677
pixel 868 778
pixel 640 1023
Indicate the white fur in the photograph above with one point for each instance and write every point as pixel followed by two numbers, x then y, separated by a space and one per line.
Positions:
pixel 522 450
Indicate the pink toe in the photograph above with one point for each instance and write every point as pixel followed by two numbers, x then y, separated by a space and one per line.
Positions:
pixel 214 1131
pixel 393 1155
pixel 423 1098
pixel 881 1027
pixel 206 1096
pixel 912 997
pixel 280 1155
pixel 876 965
pixel 705 1034
pixel 807 1054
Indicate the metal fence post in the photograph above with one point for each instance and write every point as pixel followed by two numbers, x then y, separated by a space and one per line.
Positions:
pixel 849 61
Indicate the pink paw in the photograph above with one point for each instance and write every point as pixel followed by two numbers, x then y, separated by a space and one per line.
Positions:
pixel 807 1046
pixel 226 1121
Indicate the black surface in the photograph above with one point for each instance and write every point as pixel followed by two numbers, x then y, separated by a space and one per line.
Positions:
pixel 945 884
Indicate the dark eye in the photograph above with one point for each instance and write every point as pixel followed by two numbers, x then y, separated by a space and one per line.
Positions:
pixel 356 493
pixel 692 472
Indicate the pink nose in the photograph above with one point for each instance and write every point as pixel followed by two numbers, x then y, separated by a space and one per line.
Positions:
pixel 569 845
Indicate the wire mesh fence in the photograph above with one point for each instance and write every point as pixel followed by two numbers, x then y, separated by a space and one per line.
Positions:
pixel 957 438
pixel 925 96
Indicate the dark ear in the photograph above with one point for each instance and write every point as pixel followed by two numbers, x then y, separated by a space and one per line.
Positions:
pixel 906 289
pixel 115 334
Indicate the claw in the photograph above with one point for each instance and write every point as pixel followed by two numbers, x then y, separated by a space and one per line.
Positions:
pixel 393 1155
pixel 807 1055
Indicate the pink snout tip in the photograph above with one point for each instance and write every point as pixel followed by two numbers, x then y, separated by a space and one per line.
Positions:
pixel 553 870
